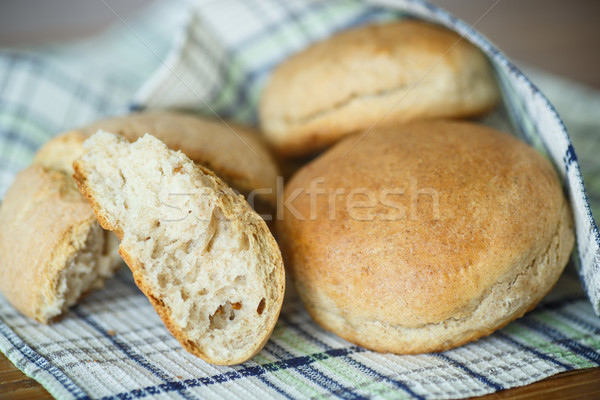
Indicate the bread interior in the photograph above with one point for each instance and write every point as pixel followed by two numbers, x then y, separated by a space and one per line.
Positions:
pixel 192 249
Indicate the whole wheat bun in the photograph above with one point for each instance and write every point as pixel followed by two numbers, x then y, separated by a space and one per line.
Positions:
pixel 424 236
pixel 52 250
pixel 384 74
pixel 206 261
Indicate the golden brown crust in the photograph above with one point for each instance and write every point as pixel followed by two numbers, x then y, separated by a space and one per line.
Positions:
pixel 235 153
pixel 417 277
pixel 377 74
pixel 234 208
pixel 60 152
pixel 165 314
pixel 44 221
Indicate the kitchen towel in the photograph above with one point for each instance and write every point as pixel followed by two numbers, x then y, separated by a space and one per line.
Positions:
pixel 214 57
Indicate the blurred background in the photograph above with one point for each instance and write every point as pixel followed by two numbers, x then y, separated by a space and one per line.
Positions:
pixel 559 36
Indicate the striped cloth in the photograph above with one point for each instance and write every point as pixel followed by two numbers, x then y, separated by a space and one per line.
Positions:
pixel 214 57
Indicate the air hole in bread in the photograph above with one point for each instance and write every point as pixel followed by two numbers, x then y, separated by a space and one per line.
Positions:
pixel 261 307
pixel 185 295
pixel 239 280
pixel 186 246
pixel 162 280
pixel 210 242
pixel 224 313
pixel 244 243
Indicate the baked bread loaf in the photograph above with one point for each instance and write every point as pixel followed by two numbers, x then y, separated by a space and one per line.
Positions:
pixel 376 74
pixel 52 250
pixel 235 153
pixel 206 261
pixel 424 236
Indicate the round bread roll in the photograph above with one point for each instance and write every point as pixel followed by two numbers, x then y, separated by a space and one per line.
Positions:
pixel 52 250
pixel 381 74
pixel 424 236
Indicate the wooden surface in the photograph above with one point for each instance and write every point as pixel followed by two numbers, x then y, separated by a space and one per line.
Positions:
pixel 15 385
pixel 581 384
pixel 562 37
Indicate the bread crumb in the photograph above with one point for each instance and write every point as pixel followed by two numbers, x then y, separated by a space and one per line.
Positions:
pixel 200 271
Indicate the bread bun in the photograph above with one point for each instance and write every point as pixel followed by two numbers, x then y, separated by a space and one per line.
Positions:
pixel 424 236
pixel 52 250
pixel 206 261
pixel 382 74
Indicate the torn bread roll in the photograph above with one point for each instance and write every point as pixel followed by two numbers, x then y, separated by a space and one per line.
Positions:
pixel 52 250
pixel 424 236
pixel 206 261
pixel 375 74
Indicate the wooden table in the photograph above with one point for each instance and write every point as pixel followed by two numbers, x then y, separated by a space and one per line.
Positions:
pixel 562 37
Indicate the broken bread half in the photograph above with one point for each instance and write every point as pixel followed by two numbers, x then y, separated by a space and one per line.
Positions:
pixel 52 250
pixel 206 261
